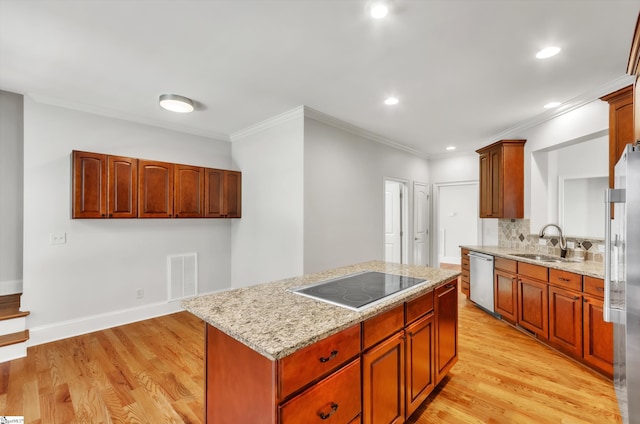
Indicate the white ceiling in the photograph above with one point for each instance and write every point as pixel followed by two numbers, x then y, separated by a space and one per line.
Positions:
pixel 464 70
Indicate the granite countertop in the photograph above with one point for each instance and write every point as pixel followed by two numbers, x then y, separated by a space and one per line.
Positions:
pixel 590 268
pixel 276 323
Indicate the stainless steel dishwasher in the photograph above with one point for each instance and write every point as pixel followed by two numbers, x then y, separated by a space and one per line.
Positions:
pixel 481 280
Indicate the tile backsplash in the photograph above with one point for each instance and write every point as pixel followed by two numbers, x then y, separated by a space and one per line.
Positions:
pixel 516 234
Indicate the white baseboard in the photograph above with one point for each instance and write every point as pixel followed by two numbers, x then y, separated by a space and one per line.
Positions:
pixel 10 287
pixel 65 329
pixel 14 351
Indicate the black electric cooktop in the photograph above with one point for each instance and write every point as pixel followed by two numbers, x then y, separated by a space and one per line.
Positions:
pixel 358 291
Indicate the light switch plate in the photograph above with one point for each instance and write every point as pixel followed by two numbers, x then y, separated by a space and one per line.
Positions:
pixel 571 245
pixel 542 242
pixel 58 238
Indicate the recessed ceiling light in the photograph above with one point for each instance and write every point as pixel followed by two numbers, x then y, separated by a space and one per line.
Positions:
pixel 551 105
pixel 391 101
pixel 176 103
pixel 379 10
pixel 451 148
pixel 548 52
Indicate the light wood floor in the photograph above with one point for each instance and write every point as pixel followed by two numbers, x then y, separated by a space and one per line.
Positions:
pixel 152 372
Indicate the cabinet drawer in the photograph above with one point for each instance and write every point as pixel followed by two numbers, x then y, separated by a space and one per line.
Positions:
pixel 565 279
pixel 506 265
pixel 382 326
pixel 594 286
pixel 316 360
pixel 336 397
pixel 418 307
pixel 534 271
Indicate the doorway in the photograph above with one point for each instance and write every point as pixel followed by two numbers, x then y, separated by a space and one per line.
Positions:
pixel 395 221
pixel 456 219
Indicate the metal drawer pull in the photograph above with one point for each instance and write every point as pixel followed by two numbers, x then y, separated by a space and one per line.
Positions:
pixel 334 353
pixel 449 286
pixel 599 288
pixel 564 279
pixel 334 408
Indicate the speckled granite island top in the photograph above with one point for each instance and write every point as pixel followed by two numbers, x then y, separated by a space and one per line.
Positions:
pixel 590 268
pixel 276 323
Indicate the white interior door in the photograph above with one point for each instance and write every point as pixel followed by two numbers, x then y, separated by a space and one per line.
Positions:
pixel 392 222
pixel 421 203
pixel 457 220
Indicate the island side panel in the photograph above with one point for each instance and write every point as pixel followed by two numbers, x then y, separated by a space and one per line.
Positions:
pixel 240 383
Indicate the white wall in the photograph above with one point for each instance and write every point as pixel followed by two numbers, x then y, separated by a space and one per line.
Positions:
pixel 267 242
pixel 344 194
pixel 11 153
pixel 91 281
pixel 582 124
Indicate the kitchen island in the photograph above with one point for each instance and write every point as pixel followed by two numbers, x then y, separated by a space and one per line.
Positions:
pixel 273 356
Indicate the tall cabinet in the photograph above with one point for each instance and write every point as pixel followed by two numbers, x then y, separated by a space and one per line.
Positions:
pixel 502 179
pixel 621 128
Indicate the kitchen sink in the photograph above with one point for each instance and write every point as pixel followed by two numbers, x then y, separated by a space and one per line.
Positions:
pixel 539 257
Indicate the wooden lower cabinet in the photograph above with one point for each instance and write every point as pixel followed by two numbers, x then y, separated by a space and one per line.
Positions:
pixel 337 398
pixel 465 279
pixel 597 336
pixel 565 320
pixel 533 306
pixel 506 295
pixel 383 372
pixel 446 325
pixel 420 352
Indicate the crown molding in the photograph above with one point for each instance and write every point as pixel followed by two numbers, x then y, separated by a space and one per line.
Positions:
pixel 294 113
pixel 337 123
pixel 568 106
pixel 111 113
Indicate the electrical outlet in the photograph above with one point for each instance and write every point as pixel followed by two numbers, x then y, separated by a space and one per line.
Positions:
pixel 542 242
pixel 571 245
pixel 139 293
pixel 58 238
pixel 601 248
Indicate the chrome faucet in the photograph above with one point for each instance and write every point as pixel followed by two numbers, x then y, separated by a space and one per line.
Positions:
pixel 563 241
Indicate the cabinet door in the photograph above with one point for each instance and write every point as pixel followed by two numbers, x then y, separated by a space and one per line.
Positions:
pixel 383 382
pixel 420 373
pixel 446 312
pixel 89 185
pixel 598 336
pixel 533 306
pixel 188 191
pixel 213 198
pixel 495 157
pixel 565 320
pixel 485 186
pixel 506 295
pixel 232 190
pixel 155 194
pixel 122 187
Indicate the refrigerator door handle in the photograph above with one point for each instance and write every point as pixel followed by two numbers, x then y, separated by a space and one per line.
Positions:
pixel 610 196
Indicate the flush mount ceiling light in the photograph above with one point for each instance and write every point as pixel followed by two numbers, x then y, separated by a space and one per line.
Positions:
pixel 176 103
pixel 548 52
pixel 379 9
pixel 391 101
pixel 450 148
pixel 551 105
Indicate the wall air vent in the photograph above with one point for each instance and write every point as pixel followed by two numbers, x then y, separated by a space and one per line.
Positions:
pixel 182 275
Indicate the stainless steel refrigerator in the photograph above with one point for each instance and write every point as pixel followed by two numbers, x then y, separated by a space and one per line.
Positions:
pixel 622 280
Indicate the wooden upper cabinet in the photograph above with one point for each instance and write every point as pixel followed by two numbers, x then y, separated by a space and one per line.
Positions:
pixel 633 68
pixel 621 127
pixel 223 193
pixel 502 179
pixel 89 185
pixel 104 186
pixel 122 183
pixel 155 195
pixel 188 201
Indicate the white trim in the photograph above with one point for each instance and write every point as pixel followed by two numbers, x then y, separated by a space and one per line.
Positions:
pixel 406 225
pixel 297 112
pixel 335 122
pixel 10 287
pixel 14 351
pixel 13 325
pixel 75 327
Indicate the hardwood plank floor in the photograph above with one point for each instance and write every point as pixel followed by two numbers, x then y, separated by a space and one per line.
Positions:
pixel 152 372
